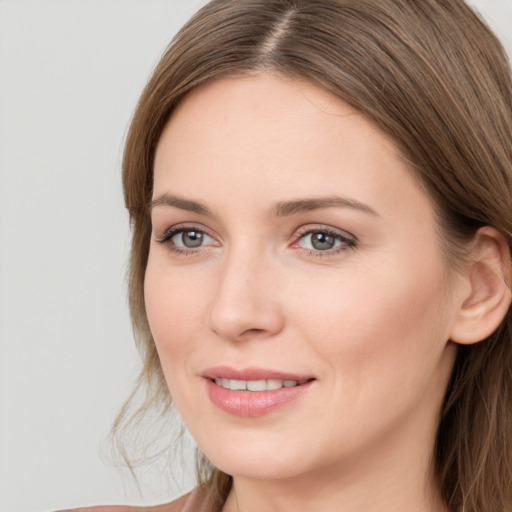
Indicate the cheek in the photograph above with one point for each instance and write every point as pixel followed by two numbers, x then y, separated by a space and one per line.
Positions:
pixel 175 308
pixel 385 328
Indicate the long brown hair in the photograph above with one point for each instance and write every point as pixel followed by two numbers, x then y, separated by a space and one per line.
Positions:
pixel 433 76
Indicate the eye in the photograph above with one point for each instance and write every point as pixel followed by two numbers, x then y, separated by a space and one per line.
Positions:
pixel 190 238
pixel 324 240
pixel 186 239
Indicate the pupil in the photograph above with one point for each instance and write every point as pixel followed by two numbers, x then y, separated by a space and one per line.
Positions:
pixel 322 241
pixel 192 238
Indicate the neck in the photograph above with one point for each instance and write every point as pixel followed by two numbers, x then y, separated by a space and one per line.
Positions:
pixel 329 495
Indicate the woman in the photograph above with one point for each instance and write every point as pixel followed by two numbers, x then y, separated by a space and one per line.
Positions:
pixel 320 196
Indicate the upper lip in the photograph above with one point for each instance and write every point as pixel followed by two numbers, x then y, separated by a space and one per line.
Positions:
pixel 251 373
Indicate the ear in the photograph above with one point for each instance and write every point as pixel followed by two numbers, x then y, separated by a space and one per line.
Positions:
pixel 487 295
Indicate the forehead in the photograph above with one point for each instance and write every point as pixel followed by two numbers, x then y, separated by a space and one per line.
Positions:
pixel 260 116
pixel 269 137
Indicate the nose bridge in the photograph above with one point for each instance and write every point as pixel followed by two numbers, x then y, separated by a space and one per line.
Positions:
pixel 244 304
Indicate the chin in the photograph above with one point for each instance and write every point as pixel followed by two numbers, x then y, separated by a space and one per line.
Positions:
pixel 263 469
pixel 258 456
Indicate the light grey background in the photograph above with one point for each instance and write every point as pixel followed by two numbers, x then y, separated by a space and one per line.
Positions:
pixel 70 75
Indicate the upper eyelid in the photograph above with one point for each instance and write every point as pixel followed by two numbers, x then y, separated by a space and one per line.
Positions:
pixel 308 228
pixel 184 226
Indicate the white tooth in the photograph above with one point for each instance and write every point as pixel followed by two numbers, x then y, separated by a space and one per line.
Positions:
pixel 238 385
pixel 226 383
pixel 256 385
pixel 274 384
pixel 289 383
pixel 218 382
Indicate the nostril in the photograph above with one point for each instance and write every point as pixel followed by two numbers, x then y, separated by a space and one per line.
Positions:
pixel 253 331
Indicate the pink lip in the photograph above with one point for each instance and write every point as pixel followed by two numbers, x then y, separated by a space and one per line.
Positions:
pixel 252 403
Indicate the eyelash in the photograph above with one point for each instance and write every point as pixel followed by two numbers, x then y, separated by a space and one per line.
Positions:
pixel 346 241
pixel 166 239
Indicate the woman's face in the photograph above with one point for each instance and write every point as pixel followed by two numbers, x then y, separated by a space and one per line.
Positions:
pixel 296 288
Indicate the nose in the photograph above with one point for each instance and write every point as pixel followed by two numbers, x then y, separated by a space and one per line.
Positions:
pixel 246 305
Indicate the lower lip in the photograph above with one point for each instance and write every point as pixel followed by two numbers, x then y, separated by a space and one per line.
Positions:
pixel 250 404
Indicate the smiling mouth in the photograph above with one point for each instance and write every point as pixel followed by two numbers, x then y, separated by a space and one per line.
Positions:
pixel 252 397
pixel 258 385
pixel 252 392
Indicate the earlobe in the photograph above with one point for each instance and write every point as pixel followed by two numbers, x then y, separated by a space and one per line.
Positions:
pixel 488 274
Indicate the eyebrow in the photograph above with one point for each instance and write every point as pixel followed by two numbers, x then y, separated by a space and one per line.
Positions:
pixel 280 209
pixel 181 203
pixel 284 208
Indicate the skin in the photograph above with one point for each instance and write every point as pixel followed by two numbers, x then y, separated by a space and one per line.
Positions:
pixel 370 319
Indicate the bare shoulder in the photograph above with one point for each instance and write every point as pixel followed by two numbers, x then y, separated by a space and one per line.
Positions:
pixel 182 504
